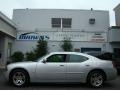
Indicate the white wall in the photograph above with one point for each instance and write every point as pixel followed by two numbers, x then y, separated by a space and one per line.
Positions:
pixel 31 19
pixel 7 35
pixel 40 19
pixel 4 40
pixel 114 35
pixel 117 15
pixel 27 46
pixel 1 49
pixel 6 28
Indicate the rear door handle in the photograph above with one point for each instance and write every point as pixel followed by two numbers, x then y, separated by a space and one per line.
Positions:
pixel 61 65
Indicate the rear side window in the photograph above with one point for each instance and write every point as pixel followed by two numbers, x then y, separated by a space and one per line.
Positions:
pixel 77 58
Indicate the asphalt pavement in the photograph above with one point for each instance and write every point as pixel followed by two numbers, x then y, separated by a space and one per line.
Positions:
pixel 110 85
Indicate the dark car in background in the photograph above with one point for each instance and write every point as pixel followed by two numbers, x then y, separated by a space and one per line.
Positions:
pixel 106 56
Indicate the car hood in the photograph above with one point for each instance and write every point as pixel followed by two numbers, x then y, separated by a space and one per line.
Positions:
pixel 26 63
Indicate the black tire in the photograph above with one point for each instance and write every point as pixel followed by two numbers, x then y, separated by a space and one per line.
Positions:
pixel 22 79
pixel 96 82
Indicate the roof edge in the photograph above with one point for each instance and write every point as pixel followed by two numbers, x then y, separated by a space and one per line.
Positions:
pixel 116 7
pixel 8 20
pixel 62 9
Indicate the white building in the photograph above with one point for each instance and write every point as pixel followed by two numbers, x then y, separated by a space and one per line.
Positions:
pixel 114 33
pixel 7 37
pixel 117 15
pixel 87 29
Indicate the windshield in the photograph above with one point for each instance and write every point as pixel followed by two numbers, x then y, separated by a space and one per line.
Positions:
pixel 40 58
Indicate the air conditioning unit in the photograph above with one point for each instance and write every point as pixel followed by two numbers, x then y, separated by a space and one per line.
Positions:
pixel 92 20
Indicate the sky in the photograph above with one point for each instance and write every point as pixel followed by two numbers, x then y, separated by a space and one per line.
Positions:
pixel 7 6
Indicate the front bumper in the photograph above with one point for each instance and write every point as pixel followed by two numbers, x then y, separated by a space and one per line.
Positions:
pixel 6 75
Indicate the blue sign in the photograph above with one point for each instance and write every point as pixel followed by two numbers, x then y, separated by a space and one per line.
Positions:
pixel 32 36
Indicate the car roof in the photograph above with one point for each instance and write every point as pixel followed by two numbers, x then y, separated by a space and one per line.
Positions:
pixel 65 52
pixel 78 53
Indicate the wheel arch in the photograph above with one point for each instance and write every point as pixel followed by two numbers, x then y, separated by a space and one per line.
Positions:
pixel 101 70
pixel 19 68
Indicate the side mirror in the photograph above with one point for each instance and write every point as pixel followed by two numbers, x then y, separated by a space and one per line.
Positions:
pixel 44 61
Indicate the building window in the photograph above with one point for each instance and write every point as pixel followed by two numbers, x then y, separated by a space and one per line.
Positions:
pixel 61 22
pixel 90 50
pixel 92 20
pixel 77 50
pixel 56 22
pixel 66 22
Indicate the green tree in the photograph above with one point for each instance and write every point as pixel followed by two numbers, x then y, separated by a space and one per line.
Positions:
pixel 39 51
pixel 67 46
pixel 41 48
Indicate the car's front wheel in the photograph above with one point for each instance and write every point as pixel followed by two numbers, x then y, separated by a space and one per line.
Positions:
pixel 19 77
pixel 96 79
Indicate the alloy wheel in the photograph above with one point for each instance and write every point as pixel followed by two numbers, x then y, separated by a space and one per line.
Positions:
pixel 19 78
pixel 96 79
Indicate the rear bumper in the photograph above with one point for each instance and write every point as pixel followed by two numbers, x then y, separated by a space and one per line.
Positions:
pixel 111 74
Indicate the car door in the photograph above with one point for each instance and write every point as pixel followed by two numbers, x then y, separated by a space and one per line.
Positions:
pixel 76 67
pixel 53 69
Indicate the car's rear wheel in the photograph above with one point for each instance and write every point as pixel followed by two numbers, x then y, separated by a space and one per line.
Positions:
pixel 96 79
pixel 19 78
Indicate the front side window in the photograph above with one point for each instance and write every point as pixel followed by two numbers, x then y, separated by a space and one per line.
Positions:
pixel 77 58
pixel 57 58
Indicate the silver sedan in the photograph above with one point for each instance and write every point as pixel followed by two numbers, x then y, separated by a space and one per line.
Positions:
pixel 62 67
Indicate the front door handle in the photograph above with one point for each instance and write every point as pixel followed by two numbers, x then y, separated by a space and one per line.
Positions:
pixel 87 65
pixel 61 65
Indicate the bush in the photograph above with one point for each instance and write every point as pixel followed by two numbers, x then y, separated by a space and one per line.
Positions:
pixel 17 56
pixel 30 56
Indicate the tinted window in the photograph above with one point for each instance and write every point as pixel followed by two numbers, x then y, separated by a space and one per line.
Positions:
pixel 61 22
pixel 56 58
pixel 66 22
pixel 56 22
pixel 77 58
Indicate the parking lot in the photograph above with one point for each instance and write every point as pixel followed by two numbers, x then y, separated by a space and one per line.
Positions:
pixel 111 85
